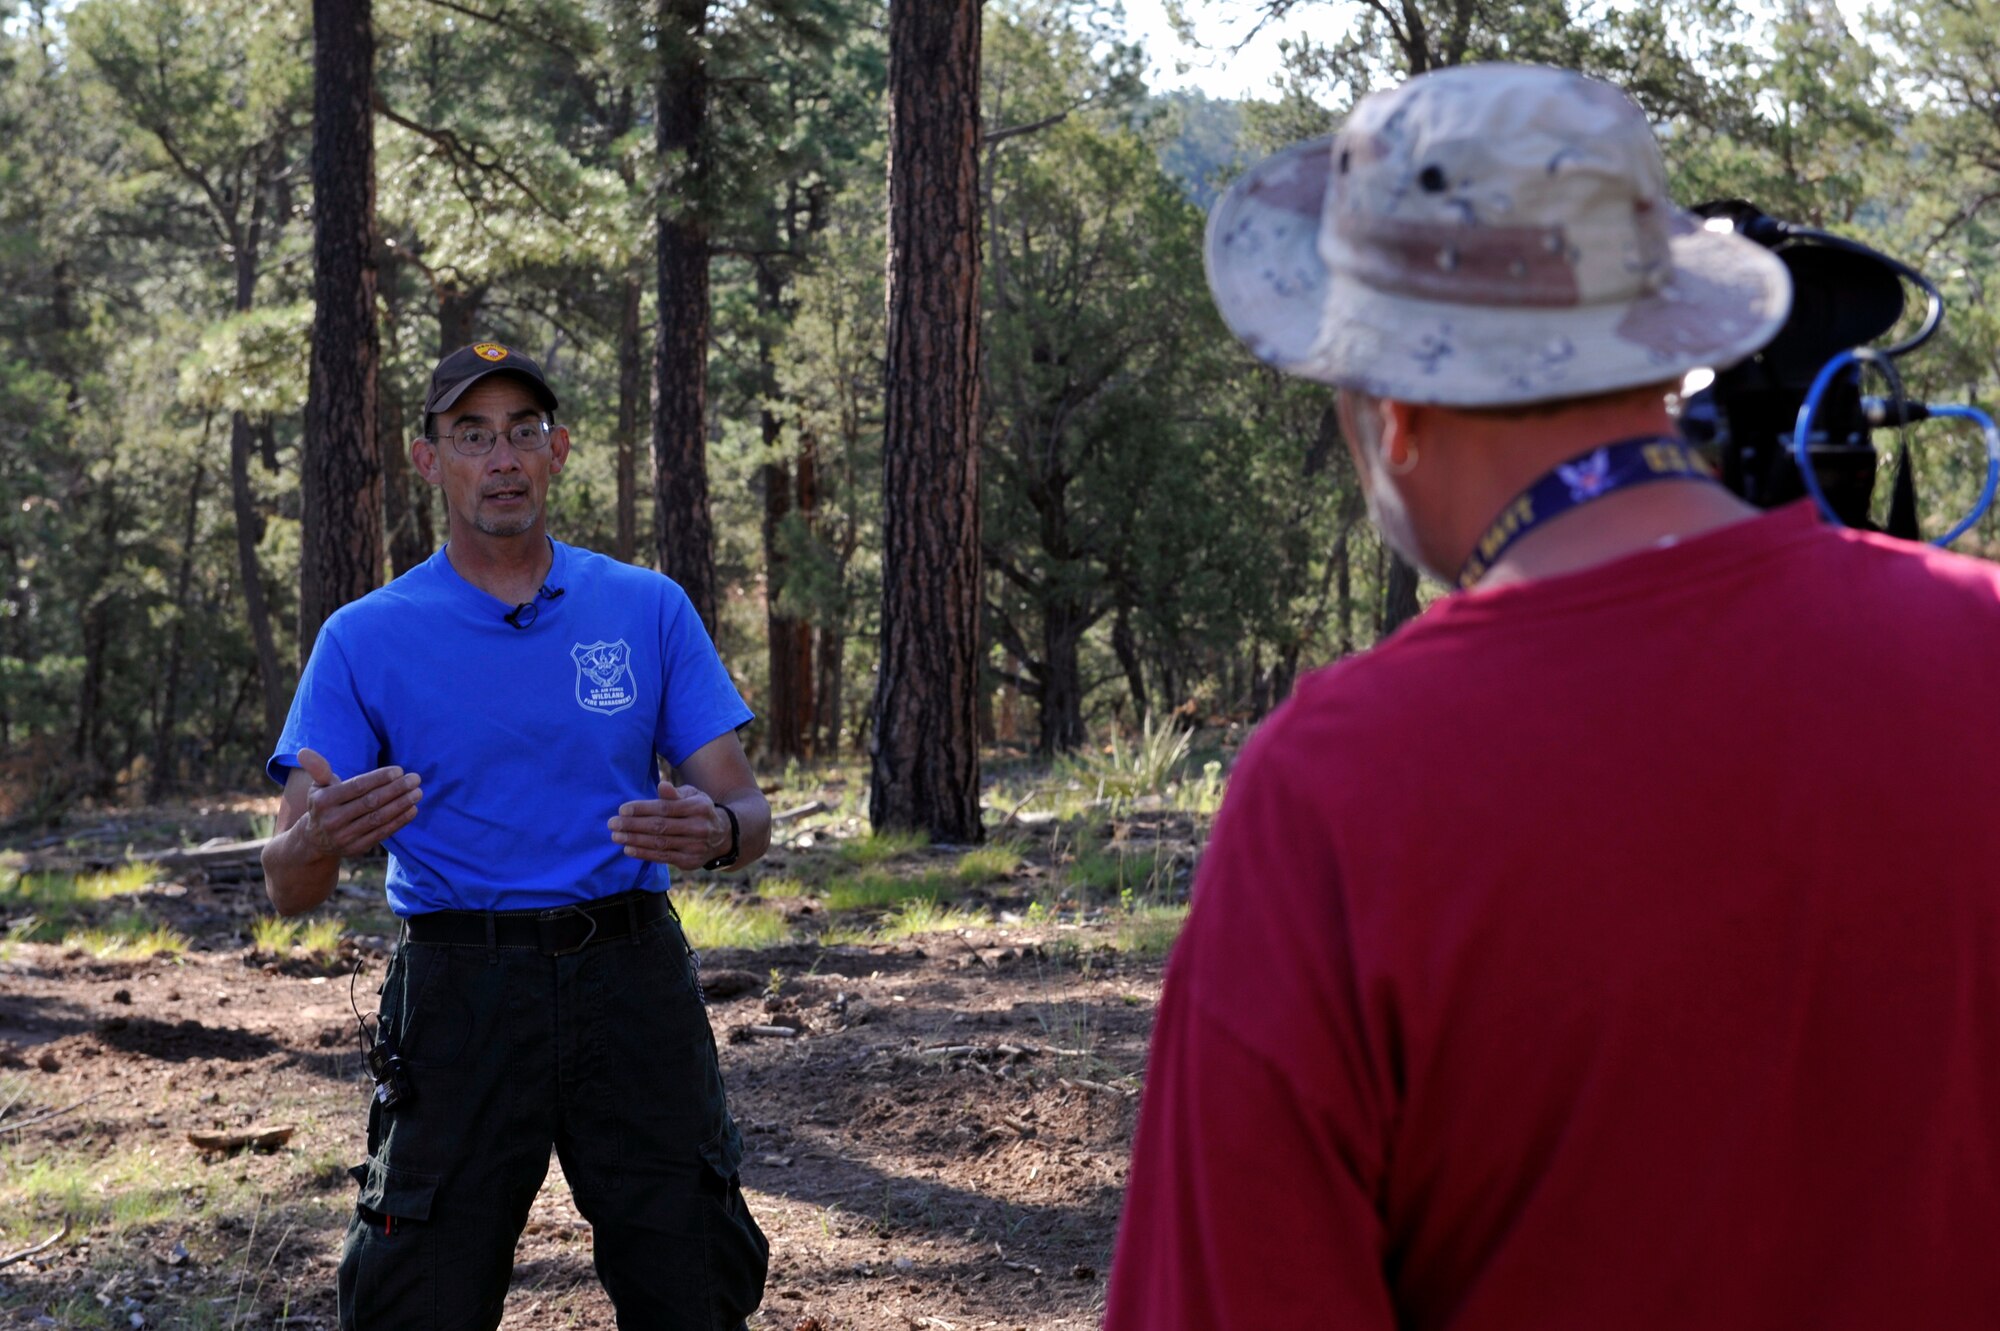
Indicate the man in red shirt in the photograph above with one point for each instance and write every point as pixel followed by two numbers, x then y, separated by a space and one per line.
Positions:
pixel 1618 946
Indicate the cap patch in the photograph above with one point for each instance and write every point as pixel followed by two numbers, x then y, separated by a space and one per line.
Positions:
pixel 490 351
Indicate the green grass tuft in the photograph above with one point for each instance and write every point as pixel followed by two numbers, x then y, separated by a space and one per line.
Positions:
pixel 274 933
pixel 874 889
pixel 988 864
pixel 880 847
pixel 713 920
pixel 1147 765
pixel 59 902
pixel 783 886
pixel 1149 929
pixel 321 937
pixel 127 937
pixel 115 1193
pixel 924 915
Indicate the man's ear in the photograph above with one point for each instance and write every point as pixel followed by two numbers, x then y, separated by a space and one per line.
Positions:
pixel 424 457
pixel 558 450
pixel 1399 434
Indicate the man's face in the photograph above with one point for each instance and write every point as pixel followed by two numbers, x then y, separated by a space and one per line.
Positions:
pixel 502 492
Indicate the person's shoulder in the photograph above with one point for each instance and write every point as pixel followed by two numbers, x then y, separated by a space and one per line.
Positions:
pixel 388 605
pixel 1334 715
pixel 1915 564
pixel 606 571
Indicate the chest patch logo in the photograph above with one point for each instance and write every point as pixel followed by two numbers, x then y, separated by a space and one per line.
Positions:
pixel 604 680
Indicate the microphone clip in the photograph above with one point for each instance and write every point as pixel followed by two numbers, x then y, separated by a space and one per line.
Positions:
pixel 524 614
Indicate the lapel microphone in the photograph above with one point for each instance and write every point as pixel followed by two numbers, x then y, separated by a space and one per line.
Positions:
pixel 524 614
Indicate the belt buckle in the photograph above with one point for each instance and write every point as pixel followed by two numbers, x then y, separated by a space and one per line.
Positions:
pixel 543 919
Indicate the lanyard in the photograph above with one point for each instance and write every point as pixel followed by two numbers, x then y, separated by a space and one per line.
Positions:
pixel 1592 475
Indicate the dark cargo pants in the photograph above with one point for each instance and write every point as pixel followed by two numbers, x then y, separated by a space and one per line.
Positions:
pixel 607 1054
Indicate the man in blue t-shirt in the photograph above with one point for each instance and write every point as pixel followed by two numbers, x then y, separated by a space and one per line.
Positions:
pixel 496 717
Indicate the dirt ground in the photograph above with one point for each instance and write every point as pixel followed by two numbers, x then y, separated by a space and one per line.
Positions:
pixel 942 1144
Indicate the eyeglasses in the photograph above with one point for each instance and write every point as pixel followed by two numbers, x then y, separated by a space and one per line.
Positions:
pixel 476 441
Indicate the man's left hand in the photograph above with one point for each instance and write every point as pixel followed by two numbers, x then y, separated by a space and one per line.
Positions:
pixel 682 827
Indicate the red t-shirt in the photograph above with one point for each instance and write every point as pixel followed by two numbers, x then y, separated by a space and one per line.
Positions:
pixel 1611 952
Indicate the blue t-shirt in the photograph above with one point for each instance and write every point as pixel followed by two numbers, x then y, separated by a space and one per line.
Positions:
pixel 528 739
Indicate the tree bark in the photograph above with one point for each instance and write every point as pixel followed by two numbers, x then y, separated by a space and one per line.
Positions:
pixel 1343 557
pixel 631 403
pixel 1125 646
pixel 96 647
pixel 832 652
pixel 1063 625
pixel 162 778
pixel 249 528
pixel 406 505
pixel 788 638
pixel 1399 601
pixel 682 526
pixel 925 732
pixel 341 535
pixel 458 313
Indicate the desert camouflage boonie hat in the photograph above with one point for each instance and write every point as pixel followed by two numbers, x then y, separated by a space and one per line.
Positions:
pixel 1485 236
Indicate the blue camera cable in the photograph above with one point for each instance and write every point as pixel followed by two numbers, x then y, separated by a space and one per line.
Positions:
pixel 1802 433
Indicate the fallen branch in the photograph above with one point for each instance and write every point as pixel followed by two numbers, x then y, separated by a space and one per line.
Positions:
pixel 1085 1084
pixel 263 1139
pixel 775 1032
pixel 229 852
pixel 810 806
pixel 47 1243
pixel 1015 812
pixel 33 1119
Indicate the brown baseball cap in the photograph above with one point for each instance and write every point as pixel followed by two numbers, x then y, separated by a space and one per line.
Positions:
pixel 468 365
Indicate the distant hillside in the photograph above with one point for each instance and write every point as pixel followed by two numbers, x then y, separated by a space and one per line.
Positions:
pixel 1204 153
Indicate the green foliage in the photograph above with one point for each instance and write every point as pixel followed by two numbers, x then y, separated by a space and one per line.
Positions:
pixel 274 933
pixel 49 906
pixel 1149 929
pixel 127 937
pixel 873 889
pixel 988 864
pixel 880 847
pixel 924 915
pixel 1170 528
pixel 713 920
pixel 1147 765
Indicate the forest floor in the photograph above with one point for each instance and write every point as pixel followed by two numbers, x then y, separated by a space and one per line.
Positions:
pixel 941 1144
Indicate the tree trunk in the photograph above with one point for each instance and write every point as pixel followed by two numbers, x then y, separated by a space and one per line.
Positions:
pixel 406 503
pixel 1399 602
pixel 162 779
pixel 458 314
pixel 826 696
pixel 682 525
pixel 1126 648
pixel 1062 678
pixel 631 403
pixel 249 529
pixel 341 534
pixel 96 645
pixel 1343 564
pixel 788 638
pixel 926 754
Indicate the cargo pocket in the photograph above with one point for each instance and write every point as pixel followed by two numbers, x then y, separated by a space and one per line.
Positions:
pixel 739 1256
pixel 388 1269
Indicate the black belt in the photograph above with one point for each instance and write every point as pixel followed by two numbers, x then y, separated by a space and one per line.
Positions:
pixel 555 932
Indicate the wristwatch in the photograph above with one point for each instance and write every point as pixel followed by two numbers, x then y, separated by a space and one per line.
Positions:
pixel 728 857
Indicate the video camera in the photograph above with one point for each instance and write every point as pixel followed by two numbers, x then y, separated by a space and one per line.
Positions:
pixel 1792 420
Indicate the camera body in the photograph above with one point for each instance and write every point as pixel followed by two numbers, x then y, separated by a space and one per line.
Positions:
pixel 1844 296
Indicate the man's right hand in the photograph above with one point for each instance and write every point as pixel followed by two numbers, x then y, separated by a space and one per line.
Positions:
pixel 354 816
